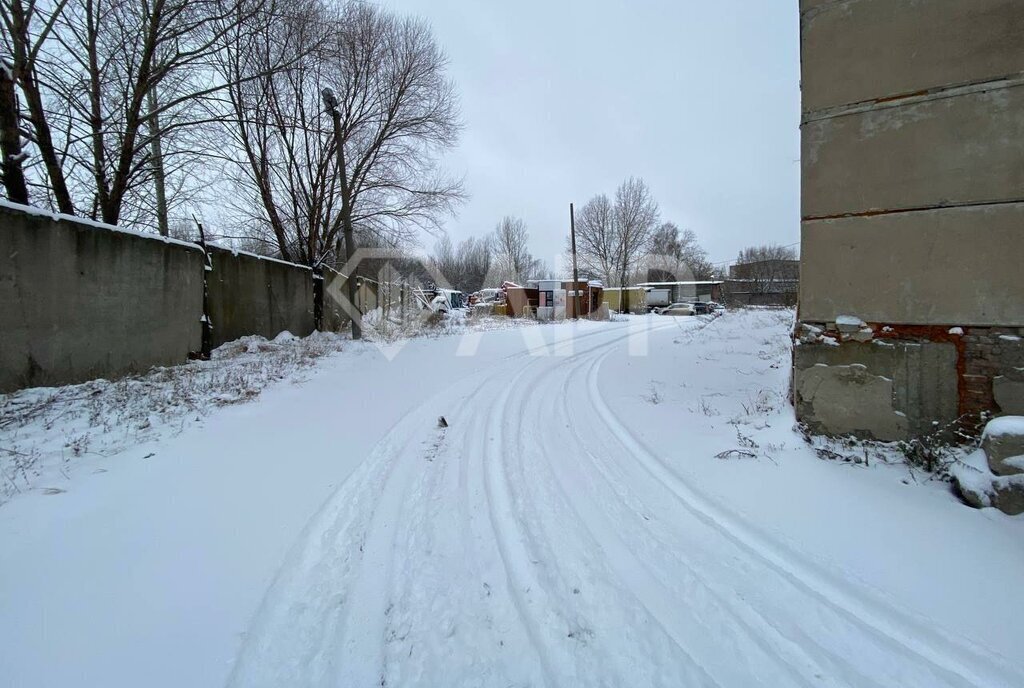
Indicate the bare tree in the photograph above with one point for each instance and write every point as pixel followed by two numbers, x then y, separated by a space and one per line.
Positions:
pixel 636 214
pixel 115 91
pixel 512 258
pixel 466 266
pixel 283 158
pixel 598 246
pixel 396 111
pixel 10 139
pixel 27 27
pixel 676 255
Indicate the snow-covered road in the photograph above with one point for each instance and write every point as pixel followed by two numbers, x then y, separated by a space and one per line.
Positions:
pixel 570 526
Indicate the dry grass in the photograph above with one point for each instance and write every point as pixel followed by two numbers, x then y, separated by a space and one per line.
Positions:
pixel 46 432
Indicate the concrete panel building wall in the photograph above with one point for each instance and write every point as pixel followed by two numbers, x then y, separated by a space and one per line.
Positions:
pixel 79 301
pixel 877 50
pixel 913 213
pixel 250 294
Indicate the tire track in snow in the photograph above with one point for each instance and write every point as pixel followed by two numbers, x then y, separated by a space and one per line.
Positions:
pixel 588 555
pixel 292 639
pixel 980 669
pixel 302 632
pixel 524 586
pixel 653 589
pixel 630 512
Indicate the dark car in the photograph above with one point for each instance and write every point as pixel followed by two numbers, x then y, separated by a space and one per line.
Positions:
pixel 701 308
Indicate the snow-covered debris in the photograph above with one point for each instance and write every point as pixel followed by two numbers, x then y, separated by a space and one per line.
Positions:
pixel 981 488
pixel 849 323
pixel 395 326
pixel 994 474
pixel 1004 425
pixel 956 331
pixel 1003 442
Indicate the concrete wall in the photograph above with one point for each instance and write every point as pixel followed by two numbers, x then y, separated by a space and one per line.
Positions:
pixel 961 149
pixel 249 294
pixel 913 208
pixel 869 50
pixel 748 298
pixel 954 266
pixel 883 389
pixel 79 302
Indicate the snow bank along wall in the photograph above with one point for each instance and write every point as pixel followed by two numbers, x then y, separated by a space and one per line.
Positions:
pixel 912 214
pixel 80 301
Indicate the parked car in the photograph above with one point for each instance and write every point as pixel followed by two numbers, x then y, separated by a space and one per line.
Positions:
pixel 701 308
pixel 678 309
pixel 715 306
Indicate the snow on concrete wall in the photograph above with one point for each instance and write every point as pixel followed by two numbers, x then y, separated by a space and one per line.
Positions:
pixel 79 302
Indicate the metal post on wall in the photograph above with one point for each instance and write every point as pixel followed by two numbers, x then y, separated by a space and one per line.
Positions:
pixel 207 323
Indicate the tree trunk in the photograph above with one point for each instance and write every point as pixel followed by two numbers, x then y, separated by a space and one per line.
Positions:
pixel 156 152
pixel 10 139
pixel 624 301
pixel 24 74
pixel 348 230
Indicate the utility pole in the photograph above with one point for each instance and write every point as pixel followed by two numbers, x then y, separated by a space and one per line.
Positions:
pixel 575 270
pixel 331 102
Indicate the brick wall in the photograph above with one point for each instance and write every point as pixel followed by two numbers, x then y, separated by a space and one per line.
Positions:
pixel 993 357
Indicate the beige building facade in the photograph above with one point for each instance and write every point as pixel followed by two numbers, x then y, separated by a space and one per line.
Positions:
pixel 911 303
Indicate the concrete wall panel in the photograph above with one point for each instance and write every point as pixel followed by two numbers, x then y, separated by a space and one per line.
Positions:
pixel 863 50
pixel 78 302
pixel 953 266
pixel 888 390
pixel 253 295
pixel 967 149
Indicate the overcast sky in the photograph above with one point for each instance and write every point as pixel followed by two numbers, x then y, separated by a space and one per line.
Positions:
pixel 562 100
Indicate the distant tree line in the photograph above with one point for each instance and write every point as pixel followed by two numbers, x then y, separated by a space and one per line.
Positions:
pixel 134 112
pixel 488 261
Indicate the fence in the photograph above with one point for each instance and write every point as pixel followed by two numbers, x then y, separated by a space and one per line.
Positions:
pixel 80 300
pixel 370 295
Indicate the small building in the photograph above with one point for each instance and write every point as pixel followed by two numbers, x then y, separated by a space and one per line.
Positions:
pixel 590 293
pixel 635 296
pixel 553 299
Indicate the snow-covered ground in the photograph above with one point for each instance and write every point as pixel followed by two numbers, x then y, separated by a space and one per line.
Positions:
pixel 621 503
